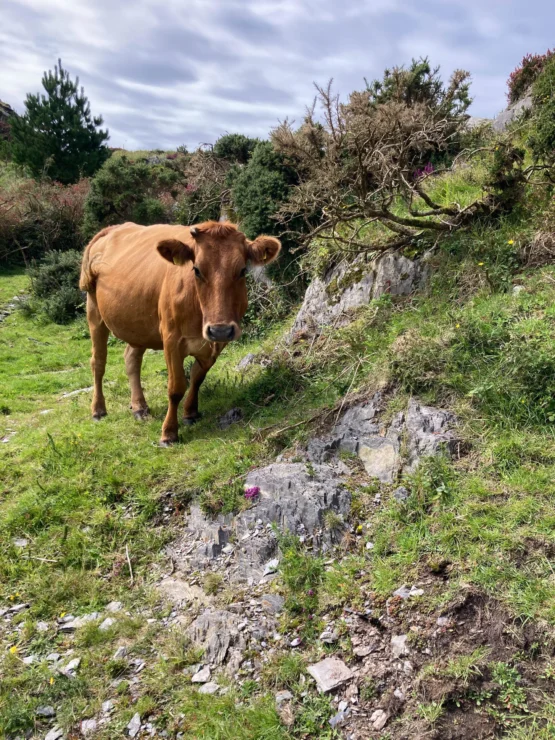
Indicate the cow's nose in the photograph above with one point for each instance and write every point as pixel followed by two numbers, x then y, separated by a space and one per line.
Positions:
pixel 221 332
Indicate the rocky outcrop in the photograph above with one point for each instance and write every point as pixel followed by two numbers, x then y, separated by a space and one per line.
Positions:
pixel 512 112
pixel 331 300
pixel 386 450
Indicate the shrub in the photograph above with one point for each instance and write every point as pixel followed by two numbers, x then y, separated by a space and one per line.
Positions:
pixel 55 286
pixel 37 217
pixel 542 137
pixel 235 148
pixel 126 190
pixel 526 74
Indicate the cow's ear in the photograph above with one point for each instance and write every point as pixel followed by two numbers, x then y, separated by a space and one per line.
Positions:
pixel 263 250
pixel 175 251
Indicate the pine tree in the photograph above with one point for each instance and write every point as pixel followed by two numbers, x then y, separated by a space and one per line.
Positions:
pixel 57 135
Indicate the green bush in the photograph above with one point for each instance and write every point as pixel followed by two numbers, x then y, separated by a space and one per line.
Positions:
pixel 525 74
pixel 542 137
pixel 235 148
pixel 259 188
pixel 55 286
pixel 126 190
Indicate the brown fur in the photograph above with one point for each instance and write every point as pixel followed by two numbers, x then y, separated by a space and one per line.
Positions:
pixel 172 288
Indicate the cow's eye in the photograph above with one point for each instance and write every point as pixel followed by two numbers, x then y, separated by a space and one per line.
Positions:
pixel 243 272
pixel 197 272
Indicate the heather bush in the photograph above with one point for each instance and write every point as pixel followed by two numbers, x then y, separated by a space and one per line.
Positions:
pixel 526 74
pixel 39 216
pixel 542 137
pixel 55 286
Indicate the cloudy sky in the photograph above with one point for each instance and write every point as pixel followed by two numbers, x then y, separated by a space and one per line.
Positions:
pixel 186 71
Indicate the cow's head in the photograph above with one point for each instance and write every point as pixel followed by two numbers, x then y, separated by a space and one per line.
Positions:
pixel 218 254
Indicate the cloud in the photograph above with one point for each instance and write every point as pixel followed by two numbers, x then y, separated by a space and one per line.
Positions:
pixel 187 71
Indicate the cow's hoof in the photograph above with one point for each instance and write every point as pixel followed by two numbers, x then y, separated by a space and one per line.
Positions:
pixel 188 421
pixel 141 414
pixel 167 442
pixel 99 415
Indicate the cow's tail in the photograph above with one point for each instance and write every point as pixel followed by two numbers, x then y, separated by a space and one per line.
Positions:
pixel 87 281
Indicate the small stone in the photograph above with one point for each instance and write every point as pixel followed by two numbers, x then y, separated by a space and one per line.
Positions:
pixel 342 706
pixel 134 726
pixel 340 718
pixel 330 673
pixel 295 642
pixel 29 660
pixel 443 621
pixel 399 645
pixel 379 719
pixel 407 667
pixel 518 289
pixel 228 549
pixel 53 657
pixel 45 712
pixel 369 545
pixel 233 416
pixel 89 727
pixel 107 706
pixel 16 608
pixel 282 696
pixel 401 494
pixel 21 542
pixel 329 637
pixel 271 567
pixel 403 592
pixel 398 693
pixel 209 688
pixel 203 676
pixel 55 734
pixel 71 667
pixel 78 622
pixel 363 650
pixel 114 606
pixel 120 653
pixel 272 603
pixel 106 624
pixel 42 627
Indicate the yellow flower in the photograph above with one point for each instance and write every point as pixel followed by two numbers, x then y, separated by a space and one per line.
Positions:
pixel 62 615
pixel 13 649
pixel 11 597
pixel 511 241
pixel 457 326
pixel 51 680
pixel 480 264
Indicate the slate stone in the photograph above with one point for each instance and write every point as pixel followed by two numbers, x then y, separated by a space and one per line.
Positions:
pixel 330 673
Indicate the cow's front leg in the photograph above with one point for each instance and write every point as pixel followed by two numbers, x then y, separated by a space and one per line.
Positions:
pixel 177 385
pixel 198 374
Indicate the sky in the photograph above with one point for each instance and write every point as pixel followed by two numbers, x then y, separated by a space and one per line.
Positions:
pixel 187 71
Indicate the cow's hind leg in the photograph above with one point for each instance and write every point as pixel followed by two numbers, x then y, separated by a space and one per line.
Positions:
pixel 133 361
pixel 99 336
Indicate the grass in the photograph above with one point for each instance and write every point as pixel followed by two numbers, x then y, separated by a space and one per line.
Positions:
pixel 86 496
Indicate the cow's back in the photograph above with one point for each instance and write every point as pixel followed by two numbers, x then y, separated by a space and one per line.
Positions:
pixel 127 276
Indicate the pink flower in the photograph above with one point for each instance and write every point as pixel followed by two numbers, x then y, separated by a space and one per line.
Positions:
pixel 252 492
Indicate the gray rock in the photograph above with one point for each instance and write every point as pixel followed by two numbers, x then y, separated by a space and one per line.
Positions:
pixel 181 592
pixel 425 430
pixel 379 719
pixel 42 626
pixel 45 712
pixel 282 696
pixel 89 727
pixel 246 362
pixel 202 676
pixel 399 694
pixel 107 624
pixel 272 603
pixel 114 606
pixel 233 416
pixel 134 726
pixel 21 542
pixel 107 706
pixel 120 653
pixel 518 289
pixel 71 668
pixel 340 718
pixel 203 539
pixel 363 650
pixel 512 112
pixel 79 622
pixel 53 657
pixel 77 392
pixel 271 566
pixel 209 688
pixel 216 631
pixel 330 673
pixel 353 284
pixel 329 637
pixel 55 734
pixel 401 494
pixel 295 642
pixel 399 645
pixel 29 660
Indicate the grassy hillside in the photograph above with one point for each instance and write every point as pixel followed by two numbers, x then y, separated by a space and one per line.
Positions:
pixel 86 509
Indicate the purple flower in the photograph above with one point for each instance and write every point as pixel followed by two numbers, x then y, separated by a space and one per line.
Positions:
pixel 252 492
pixel 310 592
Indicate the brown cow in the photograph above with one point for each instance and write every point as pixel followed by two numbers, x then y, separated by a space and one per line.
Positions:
pixel 177 288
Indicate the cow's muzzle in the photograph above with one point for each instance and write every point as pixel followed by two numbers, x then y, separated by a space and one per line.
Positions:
pixel 221 332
